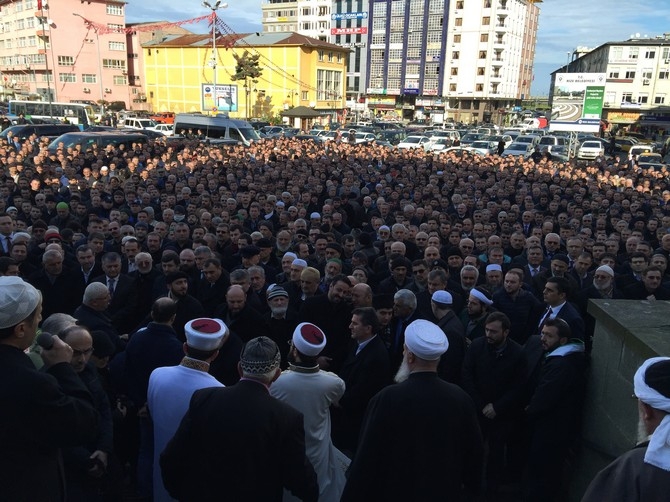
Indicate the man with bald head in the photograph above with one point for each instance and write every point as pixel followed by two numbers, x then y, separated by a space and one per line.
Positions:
pixel 361 296
pixel 241 318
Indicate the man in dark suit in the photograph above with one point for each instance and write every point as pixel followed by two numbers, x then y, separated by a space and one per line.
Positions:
pixel 42 411
pixel 51 280
pixel 365 371
pixel 649 288
pixel 239 316
pixel 404 313
pixel 420 439
pixel 83 275
pixel 262 436
pixel 533 265
pixel 494 374
pixel 555 297
pixel 211 290
pixel 332 314
pixel 92 313
pixel 556 365
pixel 122 307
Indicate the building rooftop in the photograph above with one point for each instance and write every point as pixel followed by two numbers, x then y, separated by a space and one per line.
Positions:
pixel 257 39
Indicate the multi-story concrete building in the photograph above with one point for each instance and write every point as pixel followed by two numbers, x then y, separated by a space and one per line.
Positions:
pixel 47 50
pixel 637 87
pixel 296 71
pixel 137 35
pixel 461 60
pixel 342 22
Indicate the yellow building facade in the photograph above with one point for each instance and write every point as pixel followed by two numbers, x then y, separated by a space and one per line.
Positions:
pixel 296 70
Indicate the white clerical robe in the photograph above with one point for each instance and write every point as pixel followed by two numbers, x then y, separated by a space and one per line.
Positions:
pixel 312 393
pixel 170 391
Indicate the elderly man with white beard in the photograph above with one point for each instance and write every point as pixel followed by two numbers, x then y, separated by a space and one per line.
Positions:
pixel 280 321
pixel 603 287
pixel 643 473
pixel 420 438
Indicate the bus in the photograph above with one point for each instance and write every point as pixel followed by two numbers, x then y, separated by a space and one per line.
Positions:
pixel 79 114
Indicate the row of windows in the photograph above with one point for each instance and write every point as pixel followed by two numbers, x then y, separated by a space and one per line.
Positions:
pixel 19 6
pixel 331 57
pixel 647 73
pixel 642 98
pixel 89 78
pixel 23 59
pixel 634 52
pixel 21 24
pixel 328 84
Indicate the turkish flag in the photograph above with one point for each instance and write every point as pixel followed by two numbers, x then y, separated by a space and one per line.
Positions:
pixel 39 4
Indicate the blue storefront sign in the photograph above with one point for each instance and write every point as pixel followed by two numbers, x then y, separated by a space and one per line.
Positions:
pixel 343 16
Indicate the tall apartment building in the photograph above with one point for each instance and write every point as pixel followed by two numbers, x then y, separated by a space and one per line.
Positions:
pixel 637 83
pixel 465 60
pixel 341 22
pixel 48 49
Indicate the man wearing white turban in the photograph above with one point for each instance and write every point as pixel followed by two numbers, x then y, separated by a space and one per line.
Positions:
pixel 643 473
pixel 420 439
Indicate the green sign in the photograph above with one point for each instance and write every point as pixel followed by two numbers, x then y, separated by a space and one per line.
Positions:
pixel 593 102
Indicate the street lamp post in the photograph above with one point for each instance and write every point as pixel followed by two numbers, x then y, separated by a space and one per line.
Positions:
pixel 216 6
pixel 46 60
pixel 102 86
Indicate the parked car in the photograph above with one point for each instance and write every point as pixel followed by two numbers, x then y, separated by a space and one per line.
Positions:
pixel 361 137
pixel 163 117
pixel 469 138
pixel 650 157
pixel 516 149
pixel 624 144
pixel 530 139
pixel 505 137
pixel 640 149
pixel 138 123
pixel 413 142
pixel 549 142
pixel 439 143
pixel 167 129
pixel 484 147
pixel 589 150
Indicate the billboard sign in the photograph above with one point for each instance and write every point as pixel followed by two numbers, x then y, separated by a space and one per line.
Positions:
pixel 577 102
pixel 362 30
pixel 344 16
pixel 223 99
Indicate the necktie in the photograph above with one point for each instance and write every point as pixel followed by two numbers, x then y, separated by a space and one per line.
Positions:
pixel 112 283
pixel 533 271
pixel 545 317
pixel 5 244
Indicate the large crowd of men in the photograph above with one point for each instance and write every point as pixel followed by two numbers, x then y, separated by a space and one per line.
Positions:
pixel 428 310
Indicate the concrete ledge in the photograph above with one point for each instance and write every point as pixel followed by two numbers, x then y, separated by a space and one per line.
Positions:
pixel 627 333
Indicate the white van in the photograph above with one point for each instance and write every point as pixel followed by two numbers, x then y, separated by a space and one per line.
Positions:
pixel 138 123
pixel 215 128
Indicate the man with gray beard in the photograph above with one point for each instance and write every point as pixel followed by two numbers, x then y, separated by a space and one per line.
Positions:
pixel 280 322
pixel 603 287
pixel 420 438
pixel 643 473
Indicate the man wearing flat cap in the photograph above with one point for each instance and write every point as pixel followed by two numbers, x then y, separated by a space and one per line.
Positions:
pixel 239 442
pixel 171 387
pixel 312 391
pixel 643 473
pixel 420 438
pixel 40 412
